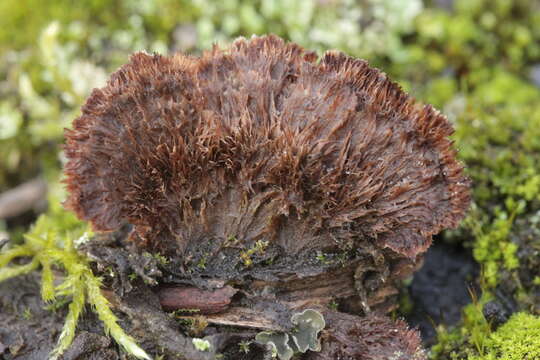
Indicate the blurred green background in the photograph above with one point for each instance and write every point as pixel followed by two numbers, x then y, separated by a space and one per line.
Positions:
pixel 478 61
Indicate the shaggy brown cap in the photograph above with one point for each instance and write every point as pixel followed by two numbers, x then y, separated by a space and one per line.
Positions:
pixel 262 141
pixel 373 337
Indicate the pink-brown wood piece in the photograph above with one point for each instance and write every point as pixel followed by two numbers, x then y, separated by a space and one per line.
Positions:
pixel 192 298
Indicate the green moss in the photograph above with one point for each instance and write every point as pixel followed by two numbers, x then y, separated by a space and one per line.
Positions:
pixel 257 249
pixel 492 247
pixel 451 345
pixel 472 39
pixel 518 339
pixel 49 243
pixel 497 131
pixel 160 16
pixel 468 339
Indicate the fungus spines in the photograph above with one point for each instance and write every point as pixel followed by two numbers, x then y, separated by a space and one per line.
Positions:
pixel 265 142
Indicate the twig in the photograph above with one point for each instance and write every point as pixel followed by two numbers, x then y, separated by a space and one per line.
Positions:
pixel 22 198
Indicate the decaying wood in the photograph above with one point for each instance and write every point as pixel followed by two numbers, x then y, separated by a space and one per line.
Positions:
pixel 192 298
pixel 159 332
pixel 346 336
pixel 242 317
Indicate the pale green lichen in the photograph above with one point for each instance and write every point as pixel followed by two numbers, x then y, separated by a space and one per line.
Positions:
pixel 201 344
pixel 279 343
pixel 308 324
pixel 304 337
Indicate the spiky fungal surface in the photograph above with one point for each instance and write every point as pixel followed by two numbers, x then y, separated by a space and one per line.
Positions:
pixel 263 141
pixel 369 338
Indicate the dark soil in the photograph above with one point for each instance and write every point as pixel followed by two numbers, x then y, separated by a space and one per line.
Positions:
pixel 29 330
pixel 441 288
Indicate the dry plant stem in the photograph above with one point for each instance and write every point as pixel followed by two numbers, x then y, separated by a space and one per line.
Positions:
pixel 245 318
pixel 22 198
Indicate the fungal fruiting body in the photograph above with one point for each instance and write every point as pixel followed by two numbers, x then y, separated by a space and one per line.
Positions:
pixel 319 177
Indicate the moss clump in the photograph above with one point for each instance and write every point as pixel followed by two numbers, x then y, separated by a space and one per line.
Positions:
pixel 47 246
pixel 492 247
pixel 472 39
pixel 515 340
pixel 497 131
pixel 467 340
pixel 518 339
pixel 498 127
pixel 476 70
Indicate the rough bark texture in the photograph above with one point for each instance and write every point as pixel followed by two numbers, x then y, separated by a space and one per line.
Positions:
pixel 32 338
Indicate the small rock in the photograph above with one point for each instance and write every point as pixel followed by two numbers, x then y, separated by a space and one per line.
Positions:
pixel 495 314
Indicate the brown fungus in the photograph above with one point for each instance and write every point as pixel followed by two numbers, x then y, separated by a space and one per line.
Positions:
pixel 302 181
pixel 262 141
pixel 370 338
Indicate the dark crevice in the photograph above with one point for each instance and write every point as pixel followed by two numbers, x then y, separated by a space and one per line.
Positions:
pixel 441 288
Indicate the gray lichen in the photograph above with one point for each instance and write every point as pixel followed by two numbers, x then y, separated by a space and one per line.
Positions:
pixel 279 342
pixel 308 325
pixel 304 337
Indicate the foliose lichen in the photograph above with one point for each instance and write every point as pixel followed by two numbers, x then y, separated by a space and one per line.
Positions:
pixel 304 337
